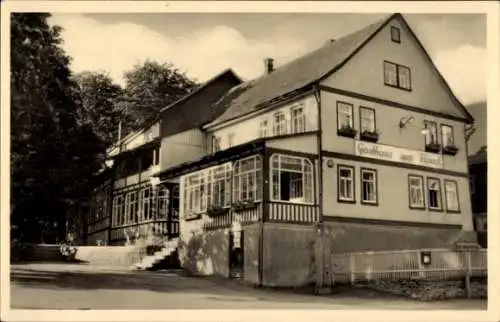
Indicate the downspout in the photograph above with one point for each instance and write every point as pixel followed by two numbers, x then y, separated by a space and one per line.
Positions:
pixel 264 214
pixel 321 238
pixel 317 95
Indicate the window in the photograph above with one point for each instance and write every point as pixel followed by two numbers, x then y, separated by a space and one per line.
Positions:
pixel 345 183
pixel 163 202
pixel 131 207
pixel 247 179
pixel 416 188
pixel 291 179
pixel 451 192
pixel 369 186
pixel 263 129
pixel 230 140
pixel 279 126
pixel 390 74
pixel 434 194
pixel 215 144
pixel 344 115
pixel 219 193
pixel 175 202
pixel 397 75
pixel 118 210
pixel 298 119
pixel 144 206
pixel 447 135
pixel 395 34
pixel 156 155
pixel 431 136
pixel 367 119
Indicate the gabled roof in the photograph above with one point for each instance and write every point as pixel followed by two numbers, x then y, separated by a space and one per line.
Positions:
pixel 301 74
pixel 196 109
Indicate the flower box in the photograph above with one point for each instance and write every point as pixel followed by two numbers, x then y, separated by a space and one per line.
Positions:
pixel 192 216
pixel 450 149
pixel 347 131
pixel 369 136
pixel 433 147
pixel 244 204
pixel 217 211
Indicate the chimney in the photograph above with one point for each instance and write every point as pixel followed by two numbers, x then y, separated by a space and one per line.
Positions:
pixel 269 65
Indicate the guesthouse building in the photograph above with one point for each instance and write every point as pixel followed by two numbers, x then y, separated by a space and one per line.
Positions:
pixel 361 142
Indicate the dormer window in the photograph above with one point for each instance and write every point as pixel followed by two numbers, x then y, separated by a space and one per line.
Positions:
pixel 395 34
pixel 279 126
pixel 215 144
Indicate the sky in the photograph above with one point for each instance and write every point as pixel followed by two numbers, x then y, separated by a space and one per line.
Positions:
pixel 204 44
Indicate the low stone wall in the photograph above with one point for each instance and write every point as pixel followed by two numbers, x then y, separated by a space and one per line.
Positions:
pixel 111 256
pixel 426 290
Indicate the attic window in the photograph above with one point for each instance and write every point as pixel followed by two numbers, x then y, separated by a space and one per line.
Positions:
pixel 395 34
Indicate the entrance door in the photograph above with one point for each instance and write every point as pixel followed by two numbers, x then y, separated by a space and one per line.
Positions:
pixel 236 252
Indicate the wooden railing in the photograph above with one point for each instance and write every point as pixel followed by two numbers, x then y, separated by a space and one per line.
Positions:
pixel 244 216
pixel 293 212
pixel 435 264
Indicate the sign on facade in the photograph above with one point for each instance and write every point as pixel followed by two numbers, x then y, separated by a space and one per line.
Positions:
pixel 390 153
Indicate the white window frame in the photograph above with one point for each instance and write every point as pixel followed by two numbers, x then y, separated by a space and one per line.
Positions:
pixel 447 135
pixel 131 204
pixel 343 181
pixel 439 193
pixel 348 115
pixel 416 190
pixel 374 185
pixel 279 123
pixel 362 119
pixel 263 127
pixel 145 204
pixel 163 202
pixel 215 144
pixel 252 176
pixel 298 116
pixel 431 126
pixel 455 205
pixel 404 79
pixel 219 193
pixel 390 74
pixel 306 170
pixel 118 210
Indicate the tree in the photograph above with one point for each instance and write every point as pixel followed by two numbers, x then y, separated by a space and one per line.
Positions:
pixel 151 87
pixel 101 105
pixel 53 154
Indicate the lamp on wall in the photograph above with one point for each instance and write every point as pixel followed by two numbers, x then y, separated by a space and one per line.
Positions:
pixel 405 121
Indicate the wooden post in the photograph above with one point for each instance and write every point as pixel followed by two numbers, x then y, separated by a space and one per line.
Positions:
pixel 468 274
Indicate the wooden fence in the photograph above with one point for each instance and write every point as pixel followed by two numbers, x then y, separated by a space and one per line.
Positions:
pixel 430 264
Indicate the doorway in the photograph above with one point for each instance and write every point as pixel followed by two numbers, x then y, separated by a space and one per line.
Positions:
pixel 236 254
